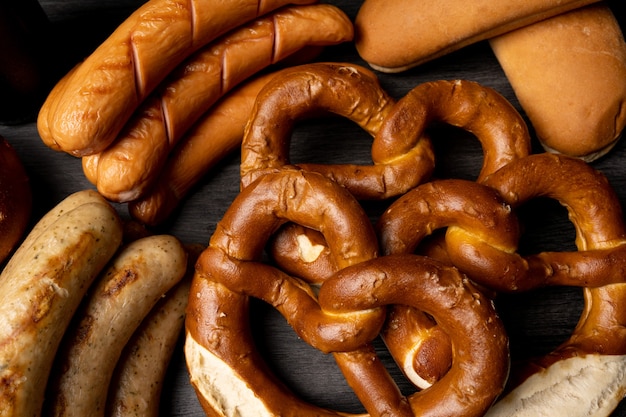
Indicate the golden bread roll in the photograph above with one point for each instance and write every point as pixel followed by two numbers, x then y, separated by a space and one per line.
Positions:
pixel 569 74
pixel 395 36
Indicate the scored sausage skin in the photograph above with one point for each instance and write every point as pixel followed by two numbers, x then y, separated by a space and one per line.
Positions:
pixel 129 166
pixel 88 111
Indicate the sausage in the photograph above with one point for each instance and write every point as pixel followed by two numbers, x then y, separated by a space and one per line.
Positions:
pixel 139 375
pixel 217 134
pixel 136 385
pixel 396 36
pixel 101 94
pixel 40 289
pixel 130 165
pixel 125 292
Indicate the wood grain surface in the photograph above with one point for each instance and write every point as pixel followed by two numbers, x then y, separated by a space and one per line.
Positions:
pixel 537 321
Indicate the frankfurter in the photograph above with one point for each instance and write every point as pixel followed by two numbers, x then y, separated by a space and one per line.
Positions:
pixel 138 380
pixel 104 90
pixel 396 36
pixel 40 289
pixel 129 166
pixel 569 75
pixel 125 292
pixel 216 135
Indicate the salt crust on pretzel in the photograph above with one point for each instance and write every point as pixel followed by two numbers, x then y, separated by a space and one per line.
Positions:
pixel 216 323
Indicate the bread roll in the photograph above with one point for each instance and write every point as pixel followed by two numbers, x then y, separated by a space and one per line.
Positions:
pixel 569 74
pixel 393 36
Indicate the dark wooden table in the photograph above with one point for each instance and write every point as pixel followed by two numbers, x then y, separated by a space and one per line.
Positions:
pixel 537 321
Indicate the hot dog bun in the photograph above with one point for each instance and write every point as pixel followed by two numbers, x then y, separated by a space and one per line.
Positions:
pixel 15 199
pixel 395 36
pixel 569 75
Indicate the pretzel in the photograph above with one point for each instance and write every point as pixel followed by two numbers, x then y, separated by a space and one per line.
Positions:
pixel 500 129
pixel 399 130
pixel 483 244
pixel 347 317
pixel 344 89
pixel 482 233
pixel 401 152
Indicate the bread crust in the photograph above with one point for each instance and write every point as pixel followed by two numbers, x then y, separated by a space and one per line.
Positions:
pixel 569 75
pixel 396 36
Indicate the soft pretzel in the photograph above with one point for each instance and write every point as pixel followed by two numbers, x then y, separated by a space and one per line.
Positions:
pixel 590 365
pixel 479 344
pixel 401 152
pixel 482 235
pixel 126 169
pixel 473 107
pixel 483 244
pixel 350 91
pixel 218 335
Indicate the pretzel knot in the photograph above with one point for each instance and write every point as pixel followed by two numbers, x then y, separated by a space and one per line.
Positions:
pixel 402 158
pixel 481 239
pixel 344 89
pixel 401 150
pixel 348 313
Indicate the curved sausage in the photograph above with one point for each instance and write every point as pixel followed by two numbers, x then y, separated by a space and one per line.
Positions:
pixel 125 292
pixel 40 289
pixel 101 94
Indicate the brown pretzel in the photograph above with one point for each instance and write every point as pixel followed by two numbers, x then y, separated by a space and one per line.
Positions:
pixel 480 347
pixel 219 347
pixel 350 91
pixel 598 265
pixel 401 152
pixel 398 130
pixel 591 362
pixel 483 244
pixel 480 110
